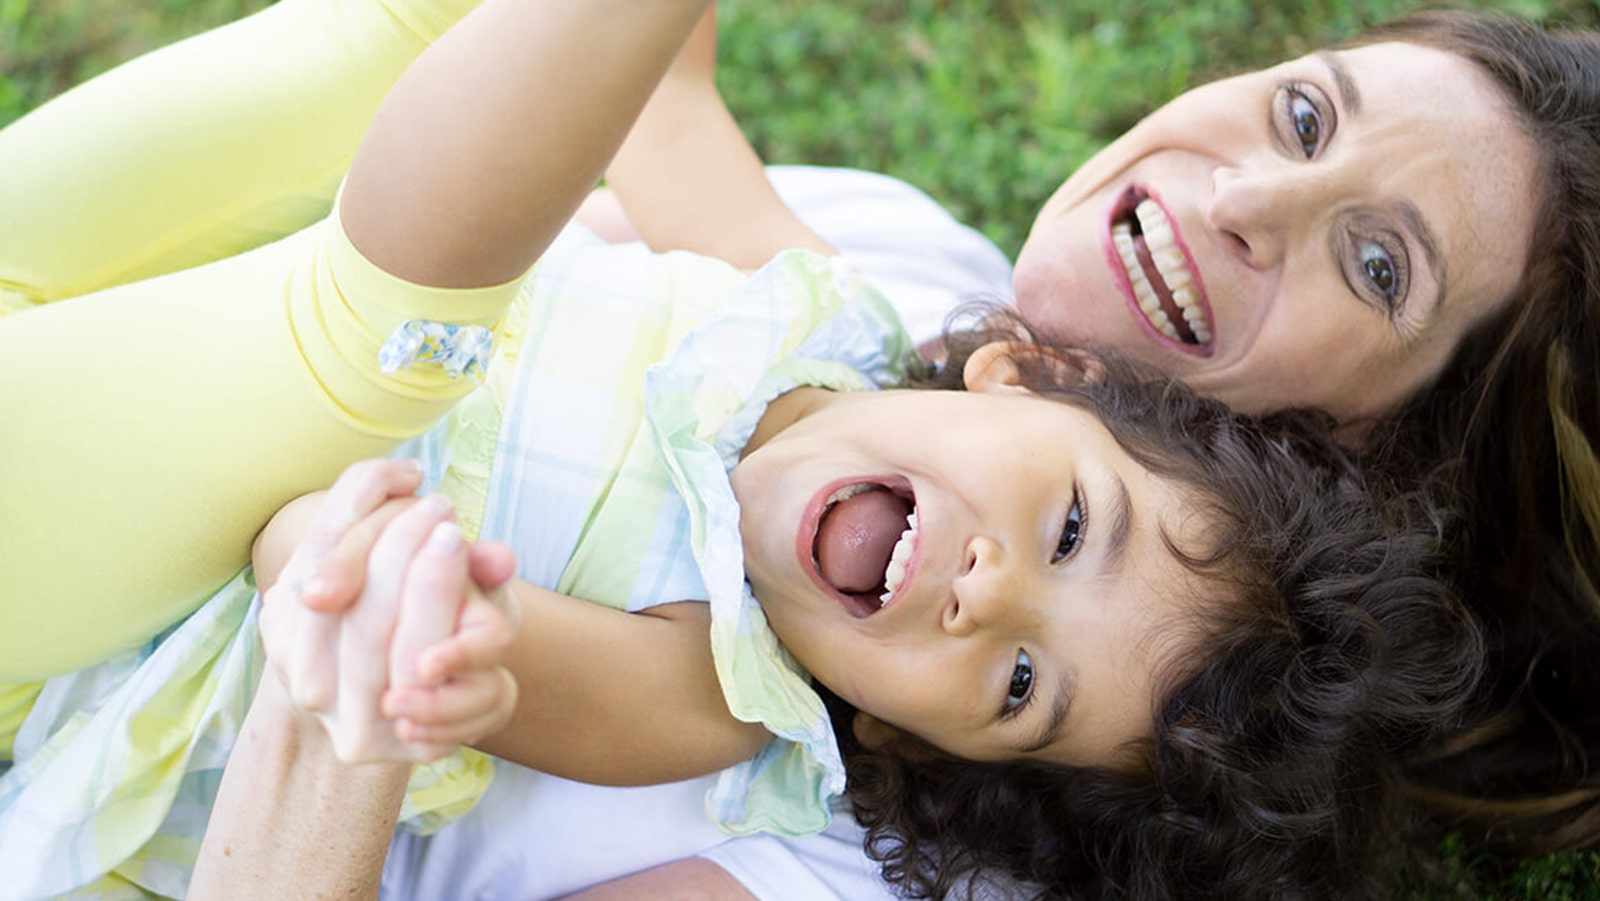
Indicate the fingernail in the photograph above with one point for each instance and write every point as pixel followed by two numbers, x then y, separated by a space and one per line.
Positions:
pixel 412 466
pixel 436 504
pixel 445 539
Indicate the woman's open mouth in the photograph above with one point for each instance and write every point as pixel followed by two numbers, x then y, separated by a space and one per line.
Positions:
pixel 864 544
pixel 1165 282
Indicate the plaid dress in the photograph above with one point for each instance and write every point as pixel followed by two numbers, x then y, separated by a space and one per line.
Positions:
pixel 599 448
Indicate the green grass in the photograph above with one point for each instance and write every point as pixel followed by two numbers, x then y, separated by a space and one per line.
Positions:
pixel 986 104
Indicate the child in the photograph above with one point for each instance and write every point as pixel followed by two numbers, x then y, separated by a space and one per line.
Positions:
pixel 815 482
pixel 1287 656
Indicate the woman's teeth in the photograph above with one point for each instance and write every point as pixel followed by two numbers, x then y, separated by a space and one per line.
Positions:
pixel 895 572
pixel 1171 268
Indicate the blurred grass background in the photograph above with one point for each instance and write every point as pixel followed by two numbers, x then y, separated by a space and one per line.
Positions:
pixel 986 104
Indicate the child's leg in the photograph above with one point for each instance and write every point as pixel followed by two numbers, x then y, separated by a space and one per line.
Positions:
pixel 151 429
pixel 163 421
pixel 199 150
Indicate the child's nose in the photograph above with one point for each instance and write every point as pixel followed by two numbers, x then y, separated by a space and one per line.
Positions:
pixel 984 589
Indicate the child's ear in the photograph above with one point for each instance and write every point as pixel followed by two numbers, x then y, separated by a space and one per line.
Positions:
pixel 999 366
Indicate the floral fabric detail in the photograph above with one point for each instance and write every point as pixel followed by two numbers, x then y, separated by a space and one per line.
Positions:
pixel 458 349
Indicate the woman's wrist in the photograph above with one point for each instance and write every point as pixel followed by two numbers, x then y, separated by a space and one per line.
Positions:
pixel 290 815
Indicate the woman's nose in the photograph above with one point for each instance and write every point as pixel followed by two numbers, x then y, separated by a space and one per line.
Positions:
pixel 1256 209
pixel 984 590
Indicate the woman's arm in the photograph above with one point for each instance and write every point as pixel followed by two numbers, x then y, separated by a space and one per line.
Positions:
pixel 292 820
pixel 689 180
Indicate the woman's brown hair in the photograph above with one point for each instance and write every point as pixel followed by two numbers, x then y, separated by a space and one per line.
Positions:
pixel 1511 426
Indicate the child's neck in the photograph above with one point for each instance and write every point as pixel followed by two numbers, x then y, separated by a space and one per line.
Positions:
pixel 784 411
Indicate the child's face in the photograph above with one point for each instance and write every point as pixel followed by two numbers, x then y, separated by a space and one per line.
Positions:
pixel 1039 606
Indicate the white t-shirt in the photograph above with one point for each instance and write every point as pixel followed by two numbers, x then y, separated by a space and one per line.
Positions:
pixel 537 836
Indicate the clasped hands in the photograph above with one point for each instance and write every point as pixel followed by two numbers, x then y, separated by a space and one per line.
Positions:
pixel 387 626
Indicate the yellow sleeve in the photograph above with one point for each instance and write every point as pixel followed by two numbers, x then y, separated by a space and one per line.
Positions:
pixel 202 149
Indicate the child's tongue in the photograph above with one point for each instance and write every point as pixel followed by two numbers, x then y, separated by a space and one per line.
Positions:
pixel 856 537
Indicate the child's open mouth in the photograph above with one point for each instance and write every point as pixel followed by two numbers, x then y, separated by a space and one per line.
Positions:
pixel 865 541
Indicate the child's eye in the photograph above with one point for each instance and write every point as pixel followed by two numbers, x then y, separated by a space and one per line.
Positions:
pixel 1071 532
pixel 1021 688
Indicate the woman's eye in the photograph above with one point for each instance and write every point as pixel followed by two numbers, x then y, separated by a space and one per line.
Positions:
pixel 1071 532
pixel 1305 122
pixel 1382 270
pixel 1021 682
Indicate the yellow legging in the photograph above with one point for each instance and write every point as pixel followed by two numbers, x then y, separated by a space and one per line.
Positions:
pixel 149 429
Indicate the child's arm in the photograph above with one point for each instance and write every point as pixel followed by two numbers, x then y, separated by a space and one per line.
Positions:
pixel 603 696
pixel 689 180
pixel 618 698
pixel 495 155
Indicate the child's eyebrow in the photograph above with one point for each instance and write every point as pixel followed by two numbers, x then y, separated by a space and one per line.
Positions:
pixel 1120 514
pixel 1050 725
pixel 1119 527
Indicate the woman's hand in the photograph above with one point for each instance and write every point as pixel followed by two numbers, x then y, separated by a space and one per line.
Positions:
pixel 402 660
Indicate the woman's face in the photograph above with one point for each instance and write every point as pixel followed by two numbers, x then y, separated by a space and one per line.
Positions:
pixel 1029 609
pixel 1322 233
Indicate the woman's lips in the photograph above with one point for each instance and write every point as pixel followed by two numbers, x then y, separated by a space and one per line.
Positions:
pixel 1157 276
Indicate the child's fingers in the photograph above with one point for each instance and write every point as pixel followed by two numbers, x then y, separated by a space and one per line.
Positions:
pixel 481 640
pixel 436 581
pixel 492 564
pixel 458 712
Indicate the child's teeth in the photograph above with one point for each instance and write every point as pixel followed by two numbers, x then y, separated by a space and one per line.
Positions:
pixel 895 572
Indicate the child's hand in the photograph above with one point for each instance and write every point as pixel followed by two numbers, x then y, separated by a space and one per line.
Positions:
pixel 459 689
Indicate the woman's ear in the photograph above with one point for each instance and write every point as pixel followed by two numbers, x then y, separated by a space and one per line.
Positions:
pixel 1002 366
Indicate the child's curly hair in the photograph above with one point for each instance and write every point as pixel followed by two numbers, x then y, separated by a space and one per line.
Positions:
pixel 1337 651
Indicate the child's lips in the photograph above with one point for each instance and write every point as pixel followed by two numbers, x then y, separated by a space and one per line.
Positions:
pixel 853 532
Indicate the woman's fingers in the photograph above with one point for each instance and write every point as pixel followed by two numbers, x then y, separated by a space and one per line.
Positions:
pixel 344 530
pixel 436 584
pixel 365 633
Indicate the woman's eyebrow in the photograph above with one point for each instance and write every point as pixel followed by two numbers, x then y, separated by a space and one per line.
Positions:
pixel 1350 100
pixel 1417 224
pixel 1349 94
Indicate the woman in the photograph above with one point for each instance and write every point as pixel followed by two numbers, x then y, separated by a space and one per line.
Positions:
pixel 1288 202
pixel 1367 256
